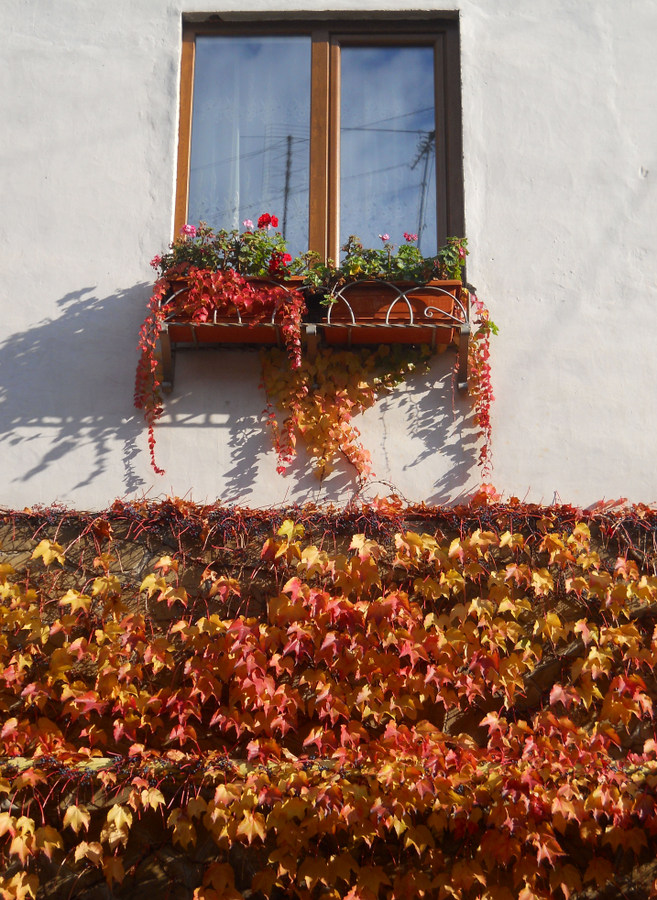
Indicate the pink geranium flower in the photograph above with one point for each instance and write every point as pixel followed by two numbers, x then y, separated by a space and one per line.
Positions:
pixel 384 237
pixel 247 223
pixel 155 262
pixel 188 230
pixel 409 237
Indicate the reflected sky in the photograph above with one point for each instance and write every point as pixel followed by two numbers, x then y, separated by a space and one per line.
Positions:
pixel 250 133
pixel 387 142
pixel 251 127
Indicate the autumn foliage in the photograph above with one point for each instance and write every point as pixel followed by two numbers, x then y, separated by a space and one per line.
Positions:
pixel 374 704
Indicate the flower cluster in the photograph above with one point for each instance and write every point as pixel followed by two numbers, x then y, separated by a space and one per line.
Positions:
pixel 266 221
pixel 260 252
pixel 388 263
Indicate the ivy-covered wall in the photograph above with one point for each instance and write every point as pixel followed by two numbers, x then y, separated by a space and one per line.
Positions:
pixel 380 704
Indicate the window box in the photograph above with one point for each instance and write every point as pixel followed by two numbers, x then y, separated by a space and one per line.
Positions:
pixel 266 327
pixel 383 312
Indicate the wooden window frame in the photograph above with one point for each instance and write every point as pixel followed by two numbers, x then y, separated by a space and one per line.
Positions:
pixel 327 36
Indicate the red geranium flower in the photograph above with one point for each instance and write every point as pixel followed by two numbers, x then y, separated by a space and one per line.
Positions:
pixel 278 260
pixel 264 220
pixel 274 221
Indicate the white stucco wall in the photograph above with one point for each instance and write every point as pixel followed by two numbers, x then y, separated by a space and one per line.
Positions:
pixel 559 159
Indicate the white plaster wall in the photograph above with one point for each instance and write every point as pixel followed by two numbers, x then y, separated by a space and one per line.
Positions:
pixel 559 158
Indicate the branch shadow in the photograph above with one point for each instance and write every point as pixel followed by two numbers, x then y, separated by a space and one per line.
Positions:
pixel 440 419
pixel 48 386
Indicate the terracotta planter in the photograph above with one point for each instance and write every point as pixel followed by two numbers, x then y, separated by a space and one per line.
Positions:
pixel 380 312
pixel 223 328
pixel 226 327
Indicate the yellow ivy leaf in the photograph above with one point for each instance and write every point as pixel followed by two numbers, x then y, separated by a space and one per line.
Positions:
pixel 77 817
pixel 106 585
pixel 117 826
pixel 512 540
pixel 25 825
pixel 113 869
pixel 152 583
pixel 196 807
pixel 542 582
pixel 152 797
pixel 60 663
pixel 49 551
pixel 76 600
pixel 92 851
pixel 252 826
pixel 184 832
pixel 48 839
pixel 5 571
pixel 290 531
pixel 22 885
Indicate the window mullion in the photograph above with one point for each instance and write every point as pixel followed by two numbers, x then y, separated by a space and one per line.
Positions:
pixel 334 152
pixel 184 128
pixel 318 212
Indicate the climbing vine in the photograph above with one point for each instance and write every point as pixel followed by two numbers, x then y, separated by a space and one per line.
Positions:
pixel 464 708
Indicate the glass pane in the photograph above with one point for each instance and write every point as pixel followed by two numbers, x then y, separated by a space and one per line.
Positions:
pixel 250 133
pixel 388 145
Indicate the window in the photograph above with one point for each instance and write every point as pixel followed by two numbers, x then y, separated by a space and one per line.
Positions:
pixel 337 127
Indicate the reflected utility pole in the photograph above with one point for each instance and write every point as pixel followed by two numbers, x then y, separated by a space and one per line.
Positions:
pixel 426 148
pixel 288 170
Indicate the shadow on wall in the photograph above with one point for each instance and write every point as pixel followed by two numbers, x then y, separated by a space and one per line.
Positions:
pixel 421 436
pixel 439 417
pixel 66 411
pixel 69 382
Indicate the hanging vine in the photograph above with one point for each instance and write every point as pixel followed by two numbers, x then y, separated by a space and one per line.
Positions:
pixel 479 383
pixel 205 293
pixel 318 401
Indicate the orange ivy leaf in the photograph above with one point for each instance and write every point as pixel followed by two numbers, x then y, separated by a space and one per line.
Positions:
pixel 21 886
pixel 599 870
pixel 23 846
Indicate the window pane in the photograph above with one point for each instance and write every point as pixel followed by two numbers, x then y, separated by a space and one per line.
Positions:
pixel 250 133
pixel 388 145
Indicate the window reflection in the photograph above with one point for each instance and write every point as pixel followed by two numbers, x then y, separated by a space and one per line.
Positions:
pixel 250 133
pixel 388 145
